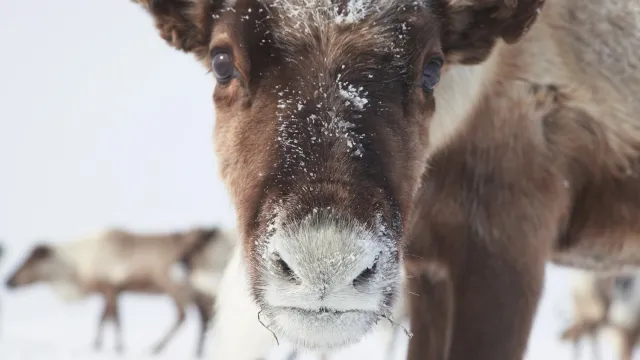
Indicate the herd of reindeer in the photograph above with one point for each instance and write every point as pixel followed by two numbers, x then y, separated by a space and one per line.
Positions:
pixel 114 261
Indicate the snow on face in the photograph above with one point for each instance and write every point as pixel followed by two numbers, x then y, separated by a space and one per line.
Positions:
pixel 334 51
pixel 331 55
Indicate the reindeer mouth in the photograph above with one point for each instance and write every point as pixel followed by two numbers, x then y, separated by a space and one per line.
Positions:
pixel 322 328
pixel 321 311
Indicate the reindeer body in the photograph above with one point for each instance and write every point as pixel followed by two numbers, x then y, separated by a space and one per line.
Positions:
pixel 120 259
pixel 113 261
pixel 468 141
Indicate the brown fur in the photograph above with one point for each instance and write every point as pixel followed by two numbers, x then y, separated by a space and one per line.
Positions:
pixel 91 264
pixel 540 164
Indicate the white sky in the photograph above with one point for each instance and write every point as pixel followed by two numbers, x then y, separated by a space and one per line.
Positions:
pixel 103 124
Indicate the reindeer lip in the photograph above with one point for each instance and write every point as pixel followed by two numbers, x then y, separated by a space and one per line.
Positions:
pixel 321 328
pixel 321 311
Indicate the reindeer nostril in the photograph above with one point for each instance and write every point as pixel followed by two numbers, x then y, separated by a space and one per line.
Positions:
pixel 283 268
pixel 286 270
pixel 367 273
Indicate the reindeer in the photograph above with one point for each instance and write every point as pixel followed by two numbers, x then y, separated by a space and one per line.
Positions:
pixel 468 141
pixel 605 300
pixel 114 261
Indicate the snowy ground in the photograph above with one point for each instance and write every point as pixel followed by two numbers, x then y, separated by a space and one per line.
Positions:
pixel 104 125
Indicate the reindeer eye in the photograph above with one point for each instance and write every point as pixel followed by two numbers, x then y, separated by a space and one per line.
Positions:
pixel 431 73
pixel 223 67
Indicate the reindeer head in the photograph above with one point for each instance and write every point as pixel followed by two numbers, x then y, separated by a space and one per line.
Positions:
pixel 42 265
pixel 323 114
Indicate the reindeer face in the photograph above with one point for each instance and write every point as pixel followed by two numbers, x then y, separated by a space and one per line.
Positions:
pixel 321 130
pixel 39 266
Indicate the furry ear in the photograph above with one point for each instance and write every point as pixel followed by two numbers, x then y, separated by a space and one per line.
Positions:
pixel 471 27
pixel 184 24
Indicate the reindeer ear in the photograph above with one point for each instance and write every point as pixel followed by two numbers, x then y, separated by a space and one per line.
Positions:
pixel 471 27
pixel 184 24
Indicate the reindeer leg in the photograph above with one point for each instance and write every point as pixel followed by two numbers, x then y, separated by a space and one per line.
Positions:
pixel 205 305
pixel 482 300
pixel 115 315
pixel 576 349
pixel 97 344
pixel 496 300
pixel 176 292
pixel 574 333
pixel 626 353
pixel 110 312
pixel 430 305
pixel 628 343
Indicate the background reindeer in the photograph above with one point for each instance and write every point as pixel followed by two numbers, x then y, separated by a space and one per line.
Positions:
pixel 605 300
pixel 113 261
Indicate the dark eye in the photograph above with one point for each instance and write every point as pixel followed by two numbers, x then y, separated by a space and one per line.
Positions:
pixel 431 73
pixel 223 67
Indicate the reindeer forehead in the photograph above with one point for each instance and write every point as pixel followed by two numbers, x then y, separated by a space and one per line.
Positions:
pixel 325 13
pixel 336 28
pixel 340 11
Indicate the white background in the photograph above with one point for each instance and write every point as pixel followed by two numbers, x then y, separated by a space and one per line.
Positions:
pixel 102 124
